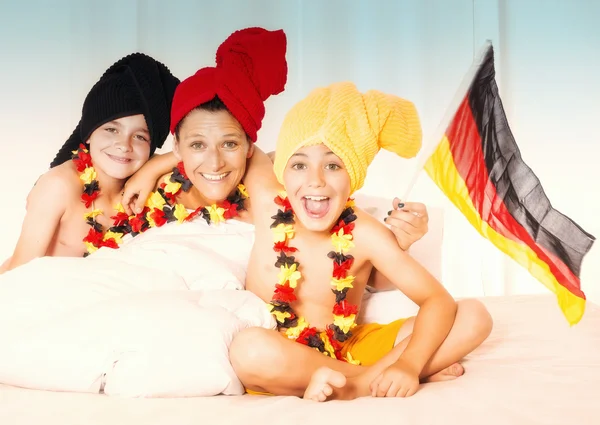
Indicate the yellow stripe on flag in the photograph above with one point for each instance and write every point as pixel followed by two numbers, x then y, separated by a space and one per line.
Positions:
pixel 443 172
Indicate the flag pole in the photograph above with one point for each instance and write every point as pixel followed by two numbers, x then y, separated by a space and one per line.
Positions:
pixel 428 148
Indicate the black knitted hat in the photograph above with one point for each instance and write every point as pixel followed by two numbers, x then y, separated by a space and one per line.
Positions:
pixel 136 84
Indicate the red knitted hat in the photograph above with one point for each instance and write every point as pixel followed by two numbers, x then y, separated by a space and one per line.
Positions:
pixel 251 66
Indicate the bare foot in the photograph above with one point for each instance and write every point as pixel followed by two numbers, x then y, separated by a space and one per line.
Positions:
pixel 322 383
pixel 448 374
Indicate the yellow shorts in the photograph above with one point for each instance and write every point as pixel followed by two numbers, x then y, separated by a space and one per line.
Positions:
pixel 368 343
pixel 371 341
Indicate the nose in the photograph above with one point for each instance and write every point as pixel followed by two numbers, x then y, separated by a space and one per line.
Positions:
pixel 316 177
pixel 123 143
pixel 215 159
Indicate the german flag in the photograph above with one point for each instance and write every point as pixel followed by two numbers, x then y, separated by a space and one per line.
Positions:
pixel 478 166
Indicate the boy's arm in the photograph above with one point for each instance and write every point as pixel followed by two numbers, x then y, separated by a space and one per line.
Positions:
pixel 260 178
pixel 437 308
pixel 45 208
pixel 144 181
pixel 409 222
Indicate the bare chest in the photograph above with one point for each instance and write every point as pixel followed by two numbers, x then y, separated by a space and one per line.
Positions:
pixel 315 298
pixel 68 240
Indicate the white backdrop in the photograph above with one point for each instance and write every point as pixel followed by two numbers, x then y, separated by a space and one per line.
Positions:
pixel 547 60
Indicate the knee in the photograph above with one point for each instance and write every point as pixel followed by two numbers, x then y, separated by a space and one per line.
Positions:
pixel 477 319
pixel 254 351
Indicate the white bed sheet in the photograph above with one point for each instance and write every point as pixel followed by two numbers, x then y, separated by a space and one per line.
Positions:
pixel 533 369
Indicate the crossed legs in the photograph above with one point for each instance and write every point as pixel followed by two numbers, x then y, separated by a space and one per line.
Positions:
pixel 265 361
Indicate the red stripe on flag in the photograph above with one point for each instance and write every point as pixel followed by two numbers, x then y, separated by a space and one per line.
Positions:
pixel 465 146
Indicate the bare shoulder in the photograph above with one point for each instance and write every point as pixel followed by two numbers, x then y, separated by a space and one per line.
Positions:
pixel 58 185
pixel 371 232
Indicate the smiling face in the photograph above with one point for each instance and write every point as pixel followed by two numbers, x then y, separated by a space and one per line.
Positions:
pixel 214 149
pixel 120 147
pixel 317 185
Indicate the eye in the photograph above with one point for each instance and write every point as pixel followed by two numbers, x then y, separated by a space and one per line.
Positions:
pixel 230 145
pixel 142 138
pixel 332 167
pixel 111 129
pixel 299 166
pixel 197 145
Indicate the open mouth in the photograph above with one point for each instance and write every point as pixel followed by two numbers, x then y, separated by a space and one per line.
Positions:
pixel 119 159
pixel 214 177
pixel 315 206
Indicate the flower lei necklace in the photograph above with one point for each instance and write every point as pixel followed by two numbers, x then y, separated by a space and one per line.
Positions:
pixel 160 208
pixel 328 341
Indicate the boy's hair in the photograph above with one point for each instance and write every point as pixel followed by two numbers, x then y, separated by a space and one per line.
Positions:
pixel 353 125
pixel 135 84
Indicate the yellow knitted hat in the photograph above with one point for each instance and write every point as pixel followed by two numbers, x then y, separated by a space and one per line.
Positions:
pixel 353 125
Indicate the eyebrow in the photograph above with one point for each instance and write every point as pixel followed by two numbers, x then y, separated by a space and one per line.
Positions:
pixel 118 124
pixel 238 135
pixel 306 156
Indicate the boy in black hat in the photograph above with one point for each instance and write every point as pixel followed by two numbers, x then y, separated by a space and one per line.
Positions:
pixel 125 118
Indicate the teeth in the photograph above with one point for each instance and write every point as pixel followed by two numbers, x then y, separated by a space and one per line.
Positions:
pixel 214 177
pixel 316 198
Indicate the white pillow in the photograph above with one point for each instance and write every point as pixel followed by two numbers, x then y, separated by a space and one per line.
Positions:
pixel 155 344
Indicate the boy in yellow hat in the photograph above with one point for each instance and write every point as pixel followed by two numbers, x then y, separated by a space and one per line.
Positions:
pixel 313 254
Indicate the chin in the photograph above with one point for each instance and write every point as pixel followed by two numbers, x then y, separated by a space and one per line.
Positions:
pixel 317 225
pixel 119 173
pixel 212 192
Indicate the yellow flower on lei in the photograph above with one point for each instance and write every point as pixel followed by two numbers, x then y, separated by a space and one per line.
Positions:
pixel 243 190
pixel 88 175
pixel 340 284
pixel 150 220
pixel 116 235
pixel 180 213
pixel 289 274
pixel 344 323
pixel 294 333
pixel 90 247
pixel 342 242
pixel 328 347
pixel 280 316
pixel 155 201
pixel 119 208
pixel 171 187
pixel 216 213
pixel 93 214
pixel 282 232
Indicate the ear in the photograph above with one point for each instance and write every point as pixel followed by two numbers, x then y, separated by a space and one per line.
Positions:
pixel 250 151
pixel 176 148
